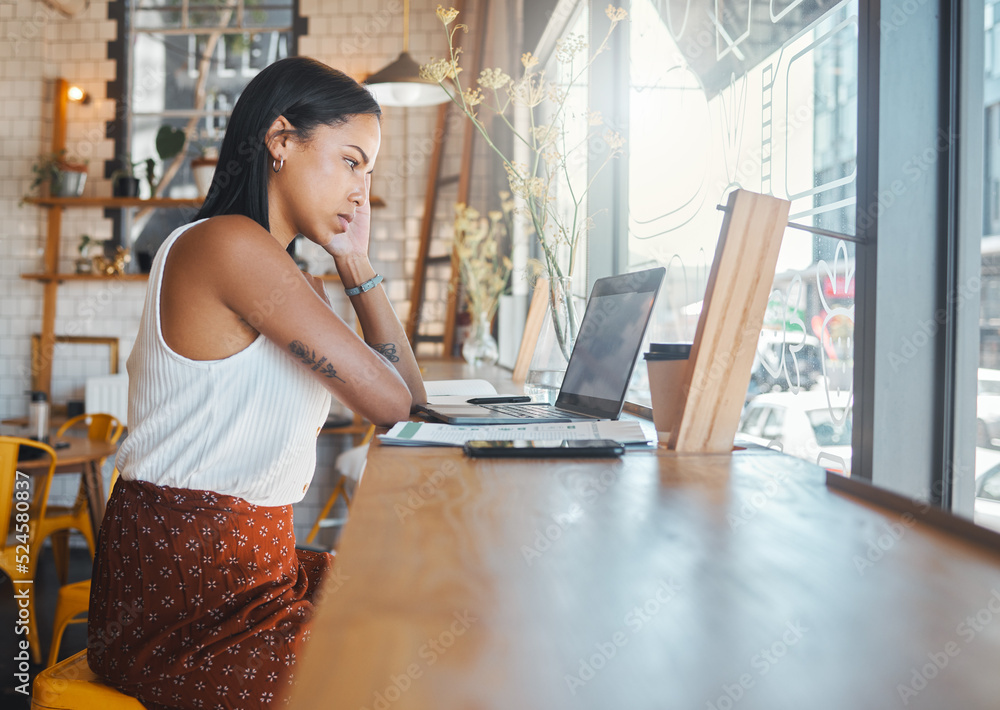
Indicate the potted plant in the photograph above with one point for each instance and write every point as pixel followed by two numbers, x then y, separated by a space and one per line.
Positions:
pixel 64 178
pixel 169 142
pixel 124 183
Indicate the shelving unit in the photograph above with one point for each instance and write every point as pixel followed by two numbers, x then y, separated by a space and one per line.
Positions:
pixel 60 278
pixel 111 202
pixel 51 278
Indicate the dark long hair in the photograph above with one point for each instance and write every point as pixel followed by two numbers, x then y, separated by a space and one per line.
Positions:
pixel 306 92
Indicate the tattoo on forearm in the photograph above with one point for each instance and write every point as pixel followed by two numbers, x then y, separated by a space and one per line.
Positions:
pixel 388 350
pixel 308 356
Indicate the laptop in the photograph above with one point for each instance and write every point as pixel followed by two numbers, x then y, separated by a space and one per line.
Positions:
pixel 600 366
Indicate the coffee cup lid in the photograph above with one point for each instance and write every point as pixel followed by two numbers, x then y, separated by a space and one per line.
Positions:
pixel 668 351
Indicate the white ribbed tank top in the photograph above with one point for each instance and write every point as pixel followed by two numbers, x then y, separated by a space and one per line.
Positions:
pixel 243 426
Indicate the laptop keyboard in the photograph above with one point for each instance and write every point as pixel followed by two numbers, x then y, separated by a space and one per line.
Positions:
pixel 534 411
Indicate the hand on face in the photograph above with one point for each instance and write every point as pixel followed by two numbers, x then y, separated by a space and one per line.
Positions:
pixel 355 239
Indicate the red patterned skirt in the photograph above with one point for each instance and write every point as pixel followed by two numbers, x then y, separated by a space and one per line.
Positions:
pixel 198 600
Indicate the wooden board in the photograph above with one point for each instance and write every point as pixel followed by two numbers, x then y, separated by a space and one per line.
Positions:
pixel 532 329
pixel 729 327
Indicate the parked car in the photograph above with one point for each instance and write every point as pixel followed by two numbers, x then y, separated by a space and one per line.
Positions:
pixel 987 506
pixel 796 358
pixel 802 425
pixel 988 407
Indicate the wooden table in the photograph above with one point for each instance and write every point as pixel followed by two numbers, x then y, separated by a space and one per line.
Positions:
pixel 82 456
pixel 695 582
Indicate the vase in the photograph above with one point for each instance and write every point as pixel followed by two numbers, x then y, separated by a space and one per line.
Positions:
pixel 555 341
pixel 125 186
pixel 480 347
pixel 203 170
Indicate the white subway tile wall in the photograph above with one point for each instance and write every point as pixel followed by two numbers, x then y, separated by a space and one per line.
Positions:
pixel 39 45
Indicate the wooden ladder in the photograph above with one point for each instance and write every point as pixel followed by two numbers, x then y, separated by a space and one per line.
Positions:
pixel 477 28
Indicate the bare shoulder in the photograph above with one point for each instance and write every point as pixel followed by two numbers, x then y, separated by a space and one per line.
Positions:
pixel 231 251
pixel 221 240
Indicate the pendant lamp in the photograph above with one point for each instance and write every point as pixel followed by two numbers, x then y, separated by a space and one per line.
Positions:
pixel 400 83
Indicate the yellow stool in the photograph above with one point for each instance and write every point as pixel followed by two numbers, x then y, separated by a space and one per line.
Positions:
pixel 71 685
pixel 74 599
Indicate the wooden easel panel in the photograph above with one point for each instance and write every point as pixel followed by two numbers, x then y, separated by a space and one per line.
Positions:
pixel 731 319
pixel 532 329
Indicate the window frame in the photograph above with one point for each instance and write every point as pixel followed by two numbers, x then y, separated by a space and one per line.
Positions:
pixel 930 237
pixel 119 90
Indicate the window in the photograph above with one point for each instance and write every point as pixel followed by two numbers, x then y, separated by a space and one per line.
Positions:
pixel 762 97
pixel 188 64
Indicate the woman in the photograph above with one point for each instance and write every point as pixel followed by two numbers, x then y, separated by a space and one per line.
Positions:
pixel 199 597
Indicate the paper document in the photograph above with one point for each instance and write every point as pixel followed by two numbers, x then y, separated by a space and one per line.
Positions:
pixel 469 388
pixel 430 434
pixel 456 391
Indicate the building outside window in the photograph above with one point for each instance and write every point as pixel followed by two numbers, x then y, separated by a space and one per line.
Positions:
pixel 988 384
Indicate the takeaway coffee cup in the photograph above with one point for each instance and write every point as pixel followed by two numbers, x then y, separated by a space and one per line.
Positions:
pixel 667 365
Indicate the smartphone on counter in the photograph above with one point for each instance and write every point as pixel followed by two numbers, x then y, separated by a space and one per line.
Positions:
pixel 526 448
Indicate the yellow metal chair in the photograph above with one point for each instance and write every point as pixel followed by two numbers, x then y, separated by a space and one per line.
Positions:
pixel 348 473
pixel 74 599
pixel 19 551
pixel 71 685
pixel 60 519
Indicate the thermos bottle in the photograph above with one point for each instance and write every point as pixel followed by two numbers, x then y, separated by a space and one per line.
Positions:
pixel 38 417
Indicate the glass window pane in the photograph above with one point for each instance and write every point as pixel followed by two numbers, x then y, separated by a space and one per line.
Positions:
pixel 773 426
pixel 753 419
pixel 761 97
pixel 168 67
pixel 986 507
pixel 568 156
pixel 181 182
pixel 211 14
pixel 267 17
pixel 155 19
pixel 990 485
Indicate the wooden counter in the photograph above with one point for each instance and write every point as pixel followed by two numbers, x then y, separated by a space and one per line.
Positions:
pixel 657 581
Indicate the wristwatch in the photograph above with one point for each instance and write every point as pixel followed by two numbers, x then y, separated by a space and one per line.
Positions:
pixel 366 286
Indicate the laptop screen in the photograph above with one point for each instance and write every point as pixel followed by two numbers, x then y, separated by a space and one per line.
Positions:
pixel 607 346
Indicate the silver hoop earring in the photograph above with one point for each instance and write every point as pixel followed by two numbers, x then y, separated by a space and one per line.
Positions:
pixel 276 166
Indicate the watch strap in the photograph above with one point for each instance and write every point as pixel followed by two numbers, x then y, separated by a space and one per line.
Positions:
pixel 366 286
